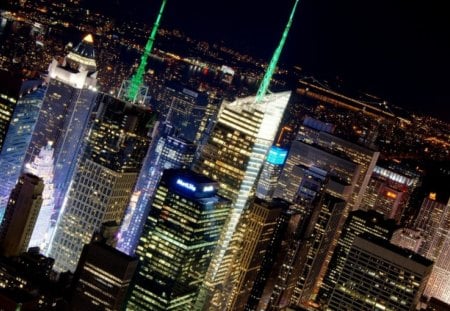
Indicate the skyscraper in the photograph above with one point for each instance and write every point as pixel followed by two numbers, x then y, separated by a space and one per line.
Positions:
pixel 17 140
pixel 42 166
pixel 104 177
pixel 171 152
pixel 177 244
pixel 235 152
pixel 62 118
pixel 433 221
pixel 310 250
pixel 388 192
pixel 303 158
pixel 233 156
pixel 20 216
pixel 408 238
pixel 258 224
pixel 65 112
pixel 9 94
pixel 378 275
pixel 357 223
pixel 189 111
pixel 271 172
pixel 319 146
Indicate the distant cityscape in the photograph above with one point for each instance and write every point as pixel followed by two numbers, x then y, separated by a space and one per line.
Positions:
pixel 144 169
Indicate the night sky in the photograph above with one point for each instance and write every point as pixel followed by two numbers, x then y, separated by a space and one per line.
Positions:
pixel 396 49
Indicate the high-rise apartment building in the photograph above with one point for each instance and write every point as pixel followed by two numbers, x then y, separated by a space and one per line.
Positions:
pixel 379 276
pixel 177 244
pixel 104 177
pixel 20 215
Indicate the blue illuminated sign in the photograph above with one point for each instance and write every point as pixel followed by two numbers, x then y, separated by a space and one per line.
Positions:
pixel 277 155
pixel 208 188
pixel 186 185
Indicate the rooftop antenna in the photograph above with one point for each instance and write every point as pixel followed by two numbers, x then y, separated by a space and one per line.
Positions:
pixel 274 61
pixel 135 84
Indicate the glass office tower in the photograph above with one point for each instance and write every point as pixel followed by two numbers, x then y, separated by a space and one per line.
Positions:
pixel 179 237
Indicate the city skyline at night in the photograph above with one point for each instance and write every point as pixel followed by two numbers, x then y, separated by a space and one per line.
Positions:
pixel 224 156
pixel 394 50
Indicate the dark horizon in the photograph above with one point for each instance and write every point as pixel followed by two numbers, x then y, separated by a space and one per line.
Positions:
pixel 397 51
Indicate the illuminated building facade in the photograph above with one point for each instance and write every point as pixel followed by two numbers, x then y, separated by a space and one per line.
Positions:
pixel 190 112
pixel 324 225
pixel 357 223
pixel 324 142
pixel 171 152
pixel 20 215
pixel 65 112
pixel 271 172
pixel 388 192
pixel 433 221
pixel 234 156
pixel 102 278
pixel 303 159
pixel 18 138
pixel 60 116
pixel 379 276
pixel 258 224
pixel 9 94
pixel 177 244
pixel 104 177
pixel 42 166
pixel 309 251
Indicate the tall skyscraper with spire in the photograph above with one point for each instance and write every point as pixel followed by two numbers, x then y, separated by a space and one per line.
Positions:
pixel 233 156
pixel 135 91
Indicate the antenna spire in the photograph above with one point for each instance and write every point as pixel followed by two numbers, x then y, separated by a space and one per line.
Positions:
pixel 273 62
pixel 137 80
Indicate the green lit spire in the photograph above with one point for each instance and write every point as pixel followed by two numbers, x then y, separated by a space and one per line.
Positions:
pixel 137 80
pixel 273 62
